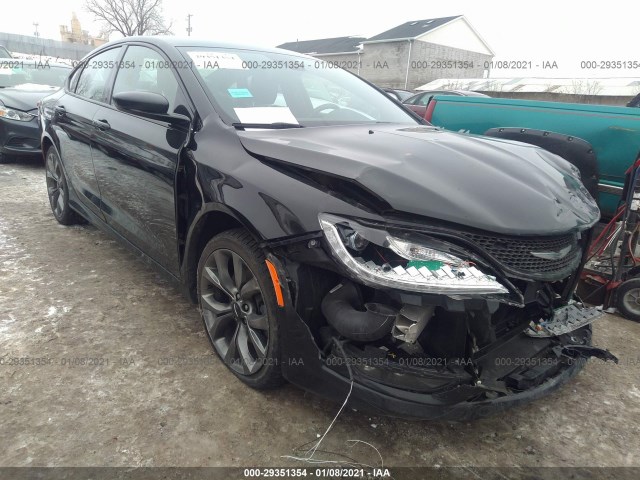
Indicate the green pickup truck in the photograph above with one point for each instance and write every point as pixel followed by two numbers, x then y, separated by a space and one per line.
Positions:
pixel 613 132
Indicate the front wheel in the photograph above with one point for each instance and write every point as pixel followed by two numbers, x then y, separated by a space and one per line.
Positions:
pixel 238 306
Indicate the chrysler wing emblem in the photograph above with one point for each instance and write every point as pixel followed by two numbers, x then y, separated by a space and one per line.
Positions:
pixel 557 255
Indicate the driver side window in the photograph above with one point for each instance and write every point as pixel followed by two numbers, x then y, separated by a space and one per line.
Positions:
pixel 145 70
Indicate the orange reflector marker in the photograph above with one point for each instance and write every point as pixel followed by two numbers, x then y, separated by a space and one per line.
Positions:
pixel 276 283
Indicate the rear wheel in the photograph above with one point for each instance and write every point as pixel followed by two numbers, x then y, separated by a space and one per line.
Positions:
pixel 628 299
pixel 4 159
pixel 237 302
pixel 57 190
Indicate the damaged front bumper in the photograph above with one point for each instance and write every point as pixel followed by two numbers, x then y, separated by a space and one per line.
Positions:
pixel 520 369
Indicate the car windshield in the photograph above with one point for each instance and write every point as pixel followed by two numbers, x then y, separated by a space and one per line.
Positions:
pixel 252 87
pixel 19 72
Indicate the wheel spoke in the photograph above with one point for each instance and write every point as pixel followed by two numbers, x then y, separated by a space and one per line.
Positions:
pixel 60 201
pixel 54 199
pixel 249 289
pixel 51 167
pixel 249 364
pixel 231 355
pixel 217 325
pixel 217 308
pixel 238 270
pixel 222 266
pixel 259 344
pixel 257 321
pixel 211 277
pixel 51 175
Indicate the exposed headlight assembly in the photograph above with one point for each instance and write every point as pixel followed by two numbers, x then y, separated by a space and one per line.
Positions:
pixel 13 114
pixel 377 258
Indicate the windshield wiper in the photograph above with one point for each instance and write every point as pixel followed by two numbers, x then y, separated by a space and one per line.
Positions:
pixel 267 125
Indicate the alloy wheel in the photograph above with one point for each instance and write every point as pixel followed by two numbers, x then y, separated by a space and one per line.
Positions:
pixel 234 312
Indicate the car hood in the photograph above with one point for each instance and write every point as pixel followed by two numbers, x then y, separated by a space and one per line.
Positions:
pixel 25 97
pixel 490 184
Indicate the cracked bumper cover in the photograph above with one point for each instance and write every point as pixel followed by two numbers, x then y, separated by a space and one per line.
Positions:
pixel 304 365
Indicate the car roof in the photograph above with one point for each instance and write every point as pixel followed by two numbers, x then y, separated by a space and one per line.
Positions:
pixel 171 41
pixel 466 93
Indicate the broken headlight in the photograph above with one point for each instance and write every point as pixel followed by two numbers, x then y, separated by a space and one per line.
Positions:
pixel 378 258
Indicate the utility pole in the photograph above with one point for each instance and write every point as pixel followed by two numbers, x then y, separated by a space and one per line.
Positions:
pixel 189 24
pixel 36 33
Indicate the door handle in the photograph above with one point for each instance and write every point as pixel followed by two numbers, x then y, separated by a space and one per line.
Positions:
pixel 60 111
pixel 101 125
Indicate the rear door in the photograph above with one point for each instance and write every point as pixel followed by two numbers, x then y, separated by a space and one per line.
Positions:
pixel 73 124
pixel 136 158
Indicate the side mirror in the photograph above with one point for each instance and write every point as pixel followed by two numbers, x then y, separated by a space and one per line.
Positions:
pixel 149 105
pixel 141 102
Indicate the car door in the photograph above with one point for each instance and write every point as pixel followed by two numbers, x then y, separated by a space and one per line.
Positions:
pixel 73 124
pixel 136 158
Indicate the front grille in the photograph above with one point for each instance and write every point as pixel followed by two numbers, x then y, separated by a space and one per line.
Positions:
pixel 514 254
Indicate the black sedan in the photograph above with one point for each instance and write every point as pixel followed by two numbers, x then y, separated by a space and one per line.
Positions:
pixel 329 237
pixel 23 83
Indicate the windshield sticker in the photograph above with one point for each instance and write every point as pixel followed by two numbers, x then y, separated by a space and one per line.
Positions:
pixel 239 92
pixel 34 87
pixel 214 60
pixel 265 115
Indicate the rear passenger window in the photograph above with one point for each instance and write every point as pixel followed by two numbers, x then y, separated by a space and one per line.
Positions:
pixel 94 79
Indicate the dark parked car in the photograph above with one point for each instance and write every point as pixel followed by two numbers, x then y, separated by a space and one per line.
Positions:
pixel 347 248
pixel 22 84
pixel 400 95
pixel 418 102
pixel 635 102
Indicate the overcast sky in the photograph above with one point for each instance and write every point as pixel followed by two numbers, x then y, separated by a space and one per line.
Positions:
pixel 567 32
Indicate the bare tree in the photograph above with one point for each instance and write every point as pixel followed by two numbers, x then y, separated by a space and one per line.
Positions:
pixel 494 86
pixel 454 85
pixel 584 87
pixel 130 17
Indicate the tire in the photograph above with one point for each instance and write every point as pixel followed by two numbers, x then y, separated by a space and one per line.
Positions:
pixel 58 191
pixel 239 313
pixel 4 159
pixel 628 299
